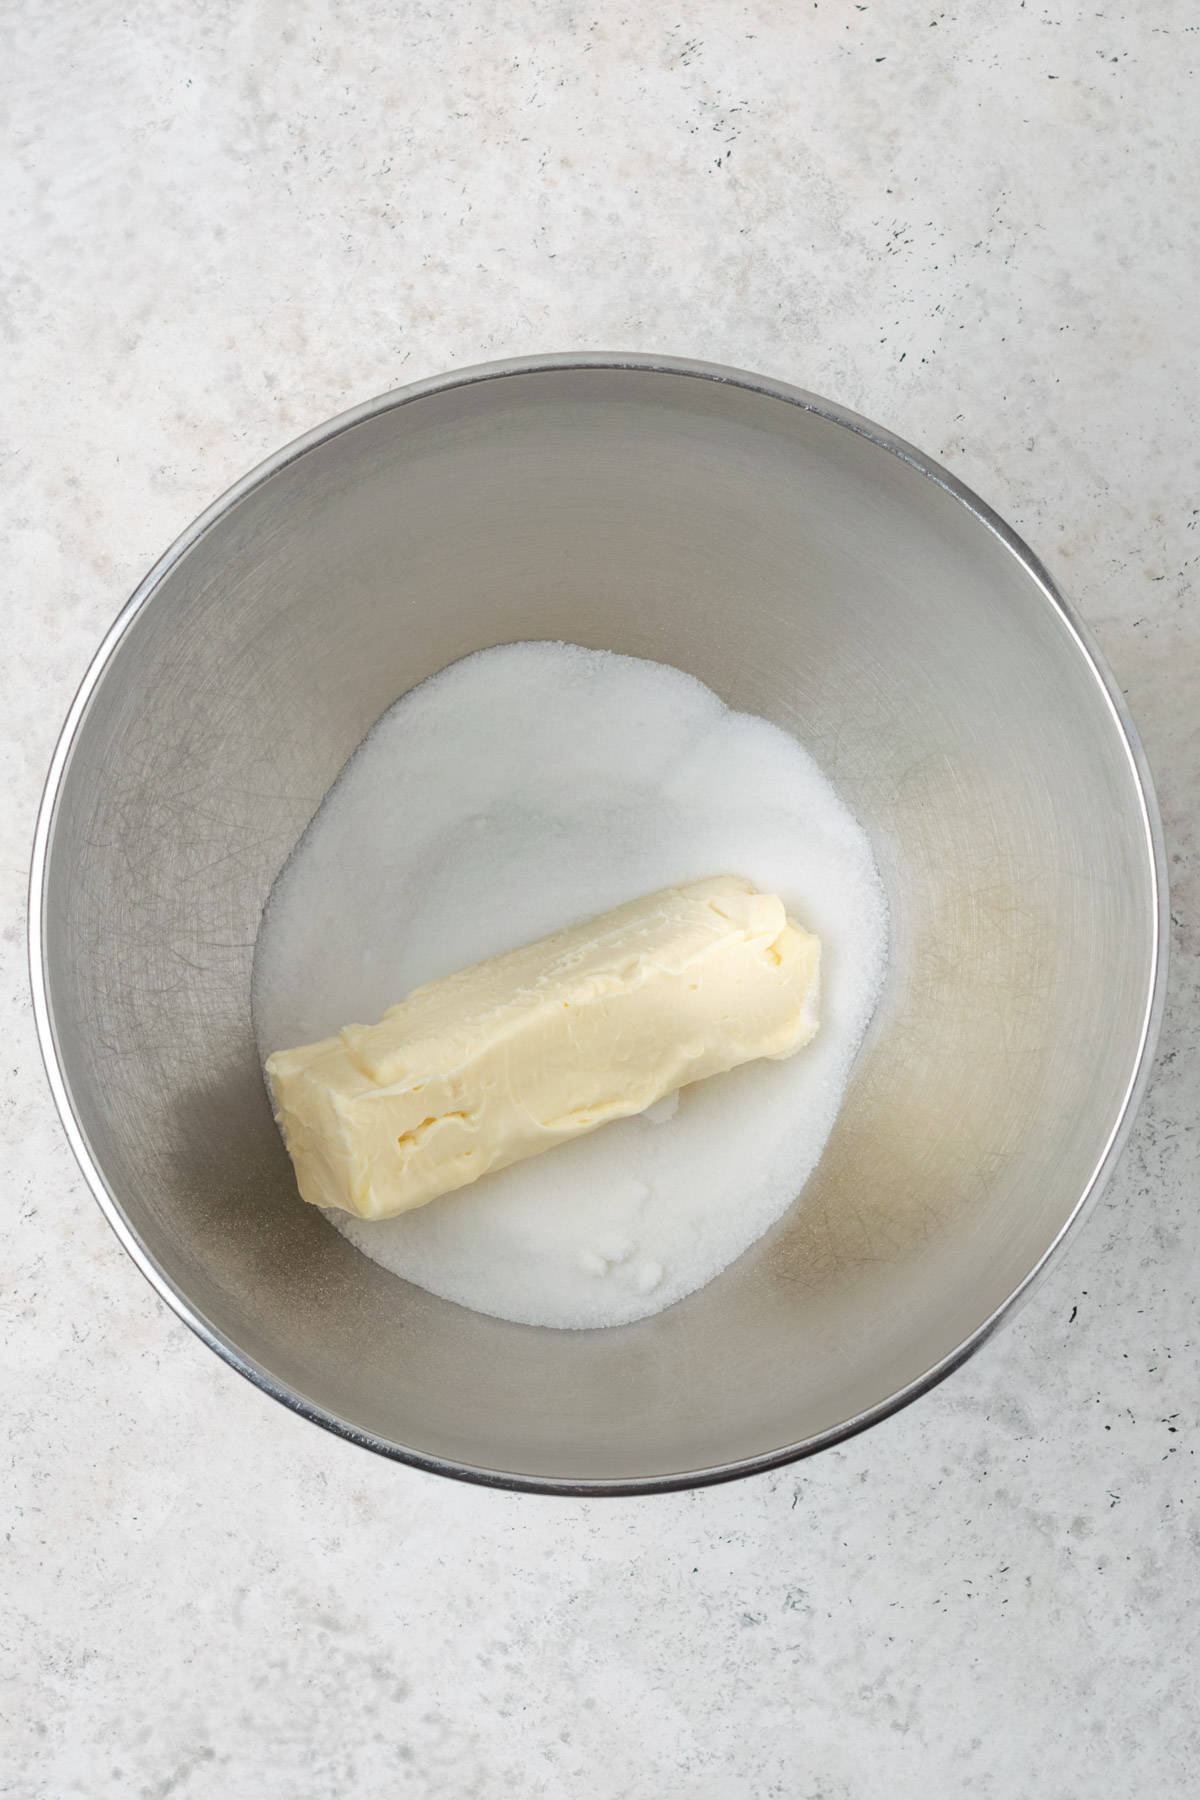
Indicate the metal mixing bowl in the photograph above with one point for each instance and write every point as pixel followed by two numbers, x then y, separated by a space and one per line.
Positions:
pixel 808 567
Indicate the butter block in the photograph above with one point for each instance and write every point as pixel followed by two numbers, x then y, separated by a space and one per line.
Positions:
pixel 533 1047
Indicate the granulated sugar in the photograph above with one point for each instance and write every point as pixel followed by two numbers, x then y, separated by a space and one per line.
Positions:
pixel 520 790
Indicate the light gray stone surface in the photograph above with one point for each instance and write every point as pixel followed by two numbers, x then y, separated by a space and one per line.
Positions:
pixel 978 225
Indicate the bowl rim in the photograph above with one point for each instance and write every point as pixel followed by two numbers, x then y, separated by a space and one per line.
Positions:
pixel 506 369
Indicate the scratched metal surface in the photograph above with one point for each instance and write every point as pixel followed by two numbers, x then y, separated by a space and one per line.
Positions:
pixel 805 570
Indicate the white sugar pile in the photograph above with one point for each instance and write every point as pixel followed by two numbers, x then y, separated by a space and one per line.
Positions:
pixel 520 790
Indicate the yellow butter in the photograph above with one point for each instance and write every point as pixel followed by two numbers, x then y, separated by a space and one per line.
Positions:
pixel 531 1048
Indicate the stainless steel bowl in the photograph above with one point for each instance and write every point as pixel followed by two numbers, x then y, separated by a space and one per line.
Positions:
pixel 809 567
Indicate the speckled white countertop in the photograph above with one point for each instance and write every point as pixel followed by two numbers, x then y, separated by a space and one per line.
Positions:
pixel 978 225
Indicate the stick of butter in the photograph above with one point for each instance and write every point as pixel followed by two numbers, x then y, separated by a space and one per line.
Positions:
pixel 534 1047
